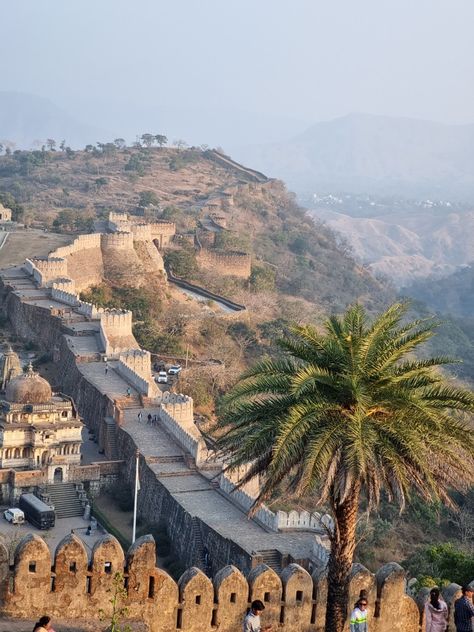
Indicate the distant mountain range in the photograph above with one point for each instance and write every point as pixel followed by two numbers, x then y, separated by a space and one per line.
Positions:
pixel 362 153
pixel 27 120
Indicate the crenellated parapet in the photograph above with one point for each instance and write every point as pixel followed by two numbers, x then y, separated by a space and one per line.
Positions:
pixel 141 232
pixel 139 360
pixel 294 600
pixel 50 268
pixel 180 407
pixel 115 330
pixel 117 241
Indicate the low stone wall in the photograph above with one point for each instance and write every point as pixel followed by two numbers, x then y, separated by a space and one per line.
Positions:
pixel 294 601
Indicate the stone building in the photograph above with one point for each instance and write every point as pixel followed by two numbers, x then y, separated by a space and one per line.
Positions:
pixel 5 214
pixel 39 430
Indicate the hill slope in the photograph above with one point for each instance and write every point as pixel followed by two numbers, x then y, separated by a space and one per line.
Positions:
pixel 76 188
pixel 365 153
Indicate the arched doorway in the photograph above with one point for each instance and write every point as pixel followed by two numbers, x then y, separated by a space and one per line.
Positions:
pixel 58 475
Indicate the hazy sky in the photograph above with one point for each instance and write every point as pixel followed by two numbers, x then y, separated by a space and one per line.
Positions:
pixel 304 59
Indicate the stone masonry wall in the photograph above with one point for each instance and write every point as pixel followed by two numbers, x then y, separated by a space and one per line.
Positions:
pixel 294 600
pixel 230 263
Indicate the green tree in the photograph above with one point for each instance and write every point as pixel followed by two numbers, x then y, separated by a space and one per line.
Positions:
pixel 160 140
pixel 148 198
pixel 344 414
pixel 51 144
pixel 147 139
pixel 441 563
pixel 120 143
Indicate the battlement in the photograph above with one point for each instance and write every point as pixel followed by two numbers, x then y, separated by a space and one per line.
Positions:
pixel 142 383
pixel 141 232
pixel 51 268
pixel 139 360
pixel 118 217
pixel 180 407
pixel 226 262
pixel 294 600
pixel 117 241
pixel 82 242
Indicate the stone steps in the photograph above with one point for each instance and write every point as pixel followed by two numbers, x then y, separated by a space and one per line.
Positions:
pixel 272 558
pixel 65 500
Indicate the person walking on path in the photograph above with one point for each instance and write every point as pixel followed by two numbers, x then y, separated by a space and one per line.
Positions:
pixel 464 610
pixel 129 392
pixel 140 416
pixel 106 368
pixel 149 418
pixel 359 617
pixel 436 612
pixel 43 625
pixel 252 618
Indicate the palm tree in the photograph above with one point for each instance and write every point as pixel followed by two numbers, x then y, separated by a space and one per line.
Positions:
pixel 345 414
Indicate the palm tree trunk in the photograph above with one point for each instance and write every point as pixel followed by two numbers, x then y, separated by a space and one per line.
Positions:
pixel 340 560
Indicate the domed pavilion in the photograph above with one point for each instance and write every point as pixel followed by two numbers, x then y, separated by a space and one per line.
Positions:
pixel 39 429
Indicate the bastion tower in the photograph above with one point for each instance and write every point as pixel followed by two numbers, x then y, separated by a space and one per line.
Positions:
pixel 40 431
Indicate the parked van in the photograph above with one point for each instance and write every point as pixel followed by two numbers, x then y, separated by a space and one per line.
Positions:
pixel 37 512
pixel 14 515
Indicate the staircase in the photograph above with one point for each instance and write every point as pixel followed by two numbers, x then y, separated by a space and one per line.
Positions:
pixel 272 558
pixel 65 500
pixel 111 449
pixel 198 545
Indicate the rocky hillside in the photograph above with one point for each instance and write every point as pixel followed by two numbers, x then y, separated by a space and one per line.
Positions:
pixel 407 244
pixel 71 191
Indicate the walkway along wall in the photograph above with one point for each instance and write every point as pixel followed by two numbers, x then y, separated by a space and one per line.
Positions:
pixel 294 600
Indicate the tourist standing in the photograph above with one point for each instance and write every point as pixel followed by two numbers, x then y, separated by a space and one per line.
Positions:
pixel 129 392
pixel 359 617
pixel 140 415
pixel 464 610
pixel 252 618
pixel 149 418
pixel 436 612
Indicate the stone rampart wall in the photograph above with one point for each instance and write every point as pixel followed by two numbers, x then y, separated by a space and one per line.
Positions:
pixel 141 232
pixel 142 385
pixel 246 501
pixel 190 439
pixel 294 601
pixel 180 407
pixel 229 263
pixel 117 241
pixel 50 268
pixel 115 330
pixel 82 242
pixel 139 360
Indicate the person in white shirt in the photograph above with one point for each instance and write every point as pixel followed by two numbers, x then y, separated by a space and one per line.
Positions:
pixel 252 618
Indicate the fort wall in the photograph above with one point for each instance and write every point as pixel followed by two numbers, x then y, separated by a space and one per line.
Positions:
pixel 116 241
pixel 229 263
pixel 294 600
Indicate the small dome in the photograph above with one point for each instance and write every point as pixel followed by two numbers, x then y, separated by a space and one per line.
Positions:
pixel 29 388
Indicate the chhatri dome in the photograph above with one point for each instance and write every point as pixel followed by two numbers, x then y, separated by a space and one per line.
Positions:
pixel 29 388
pixel 10 366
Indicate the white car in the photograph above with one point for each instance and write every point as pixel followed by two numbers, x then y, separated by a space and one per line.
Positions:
pixel 162 378
pixel 175 369
pixel 14 515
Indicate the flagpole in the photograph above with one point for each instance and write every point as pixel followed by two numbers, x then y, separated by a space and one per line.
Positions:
pixel 137 487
